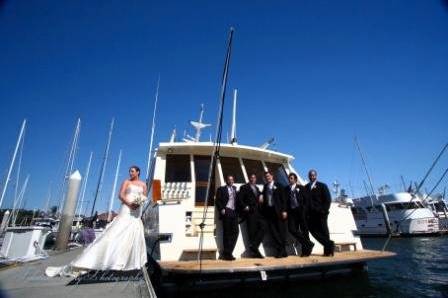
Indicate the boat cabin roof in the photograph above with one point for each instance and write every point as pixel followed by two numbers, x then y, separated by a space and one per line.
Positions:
pixel 233 150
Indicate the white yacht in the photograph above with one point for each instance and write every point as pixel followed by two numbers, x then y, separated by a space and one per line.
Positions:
pixel 440 209
pixel 401 214
pixel 182 168
pixel 184 234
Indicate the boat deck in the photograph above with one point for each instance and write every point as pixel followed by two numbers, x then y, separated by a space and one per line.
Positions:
pixel 270 263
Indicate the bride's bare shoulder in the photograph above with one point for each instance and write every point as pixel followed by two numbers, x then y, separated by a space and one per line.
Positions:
pixel 126 183
pixel 141 183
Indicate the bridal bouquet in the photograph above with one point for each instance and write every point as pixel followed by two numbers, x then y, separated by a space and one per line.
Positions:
pixel 139 199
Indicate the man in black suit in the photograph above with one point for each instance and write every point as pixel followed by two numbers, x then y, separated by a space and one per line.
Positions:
pixel 226 203
pixel 249 201
pixel 318 210
pixel 297 207
pixel 274 210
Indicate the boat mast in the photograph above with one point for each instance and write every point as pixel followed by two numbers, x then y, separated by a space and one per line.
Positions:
pixel 47 203
pixel 402 181
pixel 365 169
pixel 430 169
pixel 19 166
pixel 16 208
pixel 103 166
pixel 19 139
pixel 84 185
pixel 70 162
pixel 233 128
pixel 112 196
pixel 217 144
pixel 152 130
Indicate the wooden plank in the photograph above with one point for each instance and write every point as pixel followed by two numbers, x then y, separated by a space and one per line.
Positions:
pixel 269 263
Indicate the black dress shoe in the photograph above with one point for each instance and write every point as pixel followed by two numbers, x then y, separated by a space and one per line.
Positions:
pixel 259 256
pixel 281 254
pixel 329 251
pixel 255 253
pixel 229 258
pixel 306 251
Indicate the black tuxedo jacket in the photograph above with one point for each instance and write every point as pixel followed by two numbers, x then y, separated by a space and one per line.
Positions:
pixel 278 197
pixel 300 196
pixel 247 197
pixel 319 198
pixel 222 198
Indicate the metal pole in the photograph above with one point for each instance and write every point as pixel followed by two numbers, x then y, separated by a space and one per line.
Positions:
pixel 68 211
pixel 112 197
pixel 22 130
pixel 217 144
pixel 233 128
pixel 431 168
pixel 365 166
pixel 103 167
pixel 47 203
pixel 5 221
pixel 84 184
pixel 70 162
pixel 152 130
pixel 16 207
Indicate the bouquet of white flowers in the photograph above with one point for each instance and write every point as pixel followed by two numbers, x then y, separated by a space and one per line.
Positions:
pixel 139 199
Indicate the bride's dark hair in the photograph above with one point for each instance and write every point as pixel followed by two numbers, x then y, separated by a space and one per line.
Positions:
pixel 137 169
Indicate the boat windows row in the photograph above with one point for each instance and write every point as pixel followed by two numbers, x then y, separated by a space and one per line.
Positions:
pixel 178 168
pixel 389 207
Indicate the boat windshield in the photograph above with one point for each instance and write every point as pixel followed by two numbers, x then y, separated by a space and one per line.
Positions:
pixel 254 167
pixel 279 172
pixel 402 206
pixel 232 166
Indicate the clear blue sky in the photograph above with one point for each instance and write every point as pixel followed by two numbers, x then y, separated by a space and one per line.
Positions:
pixel 311 73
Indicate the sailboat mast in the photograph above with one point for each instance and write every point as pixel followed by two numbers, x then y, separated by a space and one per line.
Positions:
pixel 112 196
pixel 431 168
pixel 8 176
pixel 217 144
pixel 16 208
pixel 47 203
pixel 19 166
pixel 152 130
pixel 103 166
pixel 233 128
pixel 365 166
pixel 70 162
pixel 84 185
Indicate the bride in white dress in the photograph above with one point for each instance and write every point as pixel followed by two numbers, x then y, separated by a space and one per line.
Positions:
pixel 121 246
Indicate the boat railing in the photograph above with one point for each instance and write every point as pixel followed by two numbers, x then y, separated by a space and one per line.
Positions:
pixel 176 191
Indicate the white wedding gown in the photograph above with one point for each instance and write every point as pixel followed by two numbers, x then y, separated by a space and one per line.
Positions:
pixel 121 246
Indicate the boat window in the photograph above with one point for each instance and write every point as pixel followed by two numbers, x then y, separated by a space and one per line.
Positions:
pixel 177 168
pixel 254 167
pixel 411 205
pixel 279 172
pixel 202 167
pixel 440 206
pixel 359 213
pixel 395 206
pixel 232 166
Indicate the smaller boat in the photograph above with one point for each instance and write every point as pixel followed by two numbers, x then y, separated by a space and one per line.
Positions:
pixel 401 214
pixel 440 209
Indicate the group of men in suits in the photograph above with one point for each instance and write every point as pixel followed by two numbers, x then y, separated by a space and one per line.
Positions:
pixel 301 209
